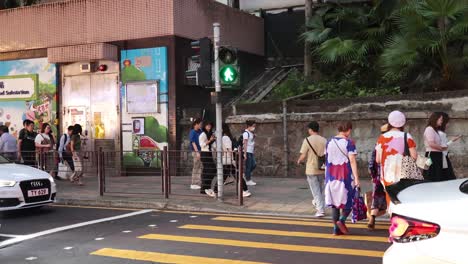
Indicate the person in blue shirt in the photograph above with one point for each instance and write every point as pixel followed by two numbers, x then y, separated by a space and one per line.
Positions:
pixel 195 148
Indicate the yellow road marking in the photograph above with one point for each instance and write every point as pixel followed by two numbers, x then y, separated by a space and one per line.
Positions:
pixel 165 258
pixel 94 207
pixel 283 233
pixel 262 245
pixel 259 216
pixel 290 222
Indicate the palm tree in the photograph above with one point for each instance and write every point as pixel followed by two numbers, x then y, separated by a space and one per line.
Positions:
pixel 309 9
pixel 430 41
pixel 349 34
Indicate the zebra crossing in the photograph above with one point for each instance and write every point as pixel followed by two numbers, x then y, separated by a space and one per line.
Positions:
pixel 204 238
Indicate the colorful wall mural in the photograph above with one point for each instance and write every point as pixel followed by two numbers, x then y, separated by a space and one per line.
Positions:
pixel 144 105
pixel 39 105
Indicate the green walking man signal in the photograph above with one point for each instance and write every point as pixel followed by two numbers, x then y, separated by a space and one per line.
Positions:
pixel 228 74
pixel 229 67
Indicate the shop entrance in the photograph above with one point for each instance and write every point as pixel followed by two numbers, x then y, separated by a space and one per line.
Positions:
pixel 92 101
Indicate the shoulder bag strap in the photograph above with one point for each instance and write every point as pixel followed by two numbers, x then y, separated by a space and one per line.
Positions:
pixel 310 145
pixel 342 152
pixel 406 151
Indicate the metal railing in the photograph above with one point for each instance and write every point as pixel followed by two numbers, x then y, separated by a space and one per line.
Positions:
pixel 167 173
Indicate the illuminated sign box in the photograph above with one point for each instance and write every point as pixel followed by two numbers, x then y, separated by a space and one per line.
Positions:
pixel 19 87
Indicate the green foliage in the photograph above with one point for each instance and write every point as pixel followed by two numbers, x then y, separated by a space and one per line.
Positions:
pixel 17 3
pixel 349 34
pixel 388 43
pixel 429 41
pixel 347 87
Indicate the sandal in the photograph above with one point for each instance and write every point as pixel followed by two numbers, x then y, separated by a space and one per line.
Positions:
pixel 371 224
pixel 342 227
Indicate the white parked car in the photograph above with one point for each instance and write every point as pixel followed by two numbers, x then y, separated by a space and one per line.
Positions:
pixel 24 187
pixel 430 224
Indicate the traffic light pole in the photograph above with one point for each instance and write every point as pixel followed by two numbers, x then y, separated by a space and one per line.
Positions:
pixel 219 114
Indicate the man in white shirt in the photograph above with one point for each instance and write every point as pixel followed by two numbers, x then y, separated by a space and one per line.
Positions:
pixel 248 149
pixel 7 144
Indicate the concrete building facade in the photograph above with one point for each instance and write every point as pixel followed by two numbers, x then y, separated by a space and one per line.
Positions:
pixel 115 66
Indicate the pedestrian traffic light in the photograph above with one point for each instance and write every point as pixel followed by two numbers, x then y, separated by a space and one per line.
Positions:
pixel 200 72
pixel 229 66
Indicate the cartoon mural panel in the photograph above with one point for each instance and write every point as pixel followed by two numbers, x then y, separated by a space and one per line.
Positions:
pixel 144 127
pixel 19 102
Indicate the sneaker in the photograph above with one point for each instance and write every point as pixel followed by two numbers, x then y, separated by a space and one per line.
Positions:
pixel 251 183
pixel 195 187
pixel 210 193
pixel 319 214
pixel 246 194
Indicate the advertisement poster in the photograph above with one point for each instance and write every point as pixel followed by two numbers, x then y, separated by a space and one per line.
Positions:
pixel 29 92
pixel 145 71
pixel 138 126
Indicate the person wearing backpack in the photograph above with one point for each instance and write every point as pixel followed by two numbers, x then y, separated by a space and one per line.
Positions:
pixel 248 150
pixel 313 150
pixel 63 149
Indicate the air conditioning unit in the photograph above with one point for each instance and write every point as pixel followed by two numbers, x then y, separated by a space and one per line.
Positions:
pixel 87 67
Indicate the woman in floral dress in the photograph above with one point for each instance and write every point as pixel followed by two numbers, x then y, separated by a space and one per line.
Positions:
pixel 379 201
pixel 341 176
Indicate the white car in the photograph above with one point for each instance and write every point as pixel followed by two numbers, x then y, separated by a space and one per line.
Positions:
pixel 24 187
pixel 429 225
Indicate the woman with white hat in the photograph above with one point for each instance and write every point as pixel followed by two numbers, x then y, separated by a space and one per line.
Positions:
pixel 391 147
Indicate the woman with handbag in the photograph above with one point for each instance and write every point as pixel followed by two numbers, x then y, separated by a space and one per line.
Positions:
pixel 396 152
pixel 436 143
pixel 45 142
pixel 341 176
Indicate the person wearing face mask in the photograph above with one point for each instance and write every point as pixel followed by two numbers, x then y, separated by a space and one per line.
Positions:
pixel 248 149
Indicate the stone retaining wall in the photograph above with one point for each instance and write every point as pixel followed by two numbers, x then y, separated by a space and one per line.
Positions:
pixel 367 117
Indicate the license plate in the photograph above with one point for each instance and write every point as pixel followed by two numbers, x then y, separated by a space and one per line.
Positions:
pixel 38 192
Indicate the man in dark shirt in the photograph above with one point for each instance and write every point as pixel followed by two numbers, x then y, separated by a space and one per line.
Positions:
pixel 26 144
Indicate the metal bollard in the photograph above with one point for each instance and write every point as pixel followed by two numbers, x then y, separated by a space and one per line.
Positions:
pixel 99 171
pixel 165 173
pixel 239 177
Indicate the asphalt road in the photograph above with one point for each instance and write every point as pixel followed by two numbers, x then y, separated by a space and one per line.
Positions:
pixel 79 235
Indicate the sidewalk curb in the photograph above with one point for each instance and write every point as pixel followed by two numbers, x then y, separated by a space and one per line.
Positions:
pixel 174 205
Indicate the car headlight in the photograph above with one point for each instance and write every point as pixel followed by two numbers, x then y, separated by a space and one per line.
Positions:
pixel 51 179
pixel 5 183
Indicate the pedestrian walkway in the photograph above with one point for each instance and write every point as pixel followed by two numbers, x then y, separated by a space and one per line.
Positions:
pixel 279 196
pixel 220 238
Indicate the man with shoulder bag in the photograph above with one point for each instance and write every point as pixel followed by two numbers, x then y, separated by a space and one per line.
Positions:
pixel 65 155
pixel 313 150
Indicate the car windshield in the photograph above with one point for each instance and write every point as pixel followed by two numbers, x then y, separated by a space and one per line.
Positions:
pixel 464 187
pixel 4 160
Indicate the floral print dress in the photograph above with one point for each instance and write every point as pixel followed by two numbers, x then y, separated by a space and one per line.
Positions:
pixel 339 180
